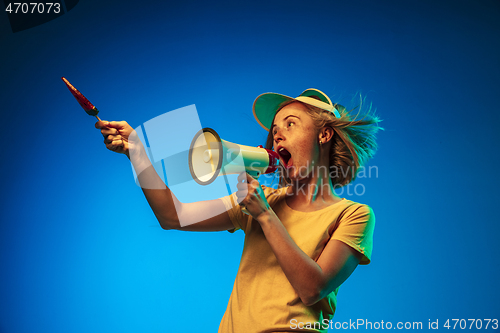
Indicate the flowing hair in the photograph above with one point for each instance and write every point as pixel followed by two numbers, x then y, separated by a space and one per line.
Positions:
pixel 353 143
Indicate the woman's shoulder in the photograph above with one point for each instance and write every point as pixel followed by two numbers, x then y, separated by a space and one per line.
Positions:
pixel 355 204
pixel 358 209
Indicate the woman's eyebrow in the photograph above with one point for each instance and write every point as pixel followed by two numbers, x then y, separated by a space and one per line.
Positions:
pixel 291 115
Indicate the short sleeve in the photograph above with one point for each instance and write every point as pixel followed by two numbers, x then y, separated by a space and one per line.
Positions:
pixel 235 214
pixel 355 229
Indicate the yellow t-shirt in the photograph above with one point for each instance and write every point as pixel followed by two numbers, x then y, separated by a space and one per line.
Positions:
pixel 263 300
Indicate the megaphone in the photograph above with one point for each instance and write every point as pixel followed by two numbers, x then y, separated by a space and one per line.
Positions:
pixel 210 157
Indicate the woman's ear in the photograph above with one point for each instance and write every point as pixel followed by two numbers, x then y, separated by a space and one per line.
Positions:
pixel 326 134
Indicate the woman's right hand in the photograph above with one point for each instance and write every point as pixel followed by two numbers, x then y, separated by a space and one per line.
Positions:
pixel 119 136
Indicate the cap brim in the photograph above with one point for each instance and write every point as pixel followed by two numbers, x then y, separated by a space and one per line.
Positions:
pixel 265 107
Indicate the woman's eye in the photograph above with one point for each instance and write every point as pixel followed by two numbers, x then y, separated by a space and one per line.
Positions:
pixel 291 123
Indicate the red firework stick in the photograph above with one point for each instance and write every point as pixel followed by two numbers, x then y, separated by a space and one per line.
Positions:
pixel 82 100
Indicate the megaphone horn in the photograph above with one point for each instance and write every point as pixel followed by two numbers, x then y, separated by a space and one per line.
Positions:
pixel 210 157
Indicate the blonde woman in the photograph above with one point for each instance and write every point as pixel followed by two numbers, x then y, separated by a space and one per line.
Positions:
pixel 302 241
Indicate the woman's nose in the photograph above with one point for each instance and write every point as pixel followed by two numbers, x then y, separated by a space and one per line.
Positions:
pixel 278 135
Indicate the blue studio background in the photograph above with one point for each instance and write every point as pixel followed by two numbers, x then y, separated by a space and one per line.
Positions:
pixel 80 249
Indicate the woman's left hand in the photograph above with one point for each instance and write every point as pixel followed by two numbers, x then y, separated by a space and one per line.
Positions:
pixel 250 196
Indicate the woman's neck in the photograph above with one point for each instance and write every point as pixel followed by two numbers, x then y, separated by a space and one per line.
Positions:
pixel 312 193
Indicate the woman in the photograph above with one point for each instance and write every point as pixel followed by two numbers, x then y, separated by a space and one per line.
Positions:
pixel 302 241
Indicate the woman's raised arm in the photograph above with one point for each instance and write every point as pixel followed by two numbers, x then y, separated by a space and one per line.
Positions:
pixel 121 138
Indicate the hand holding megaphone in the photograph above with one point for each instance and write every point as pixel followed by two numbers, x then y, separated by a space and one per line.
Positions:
pixel 250 195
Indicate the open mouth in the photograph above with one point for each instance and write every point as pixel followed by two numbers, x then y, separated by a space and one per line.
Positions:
pixel 285 157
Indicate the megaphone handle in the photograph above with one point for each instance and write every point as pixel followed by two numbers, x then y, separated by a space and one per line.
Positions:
pixel 258 189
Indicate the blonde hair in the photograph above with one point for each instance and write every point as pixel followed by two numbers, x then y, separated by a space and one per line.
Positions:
pixel 353 143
